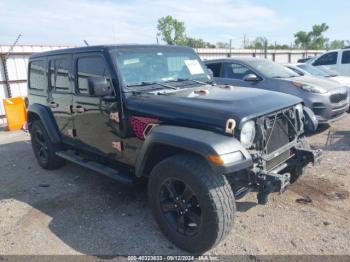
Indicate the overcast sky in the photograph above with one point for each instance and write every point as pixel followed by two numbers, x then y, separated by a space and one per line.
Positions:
pixel 67 22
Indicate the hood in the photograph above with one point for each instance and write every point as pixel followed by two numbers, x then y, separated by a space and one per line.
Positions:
pixel 326 84
pixel 211 109
pixel 343 80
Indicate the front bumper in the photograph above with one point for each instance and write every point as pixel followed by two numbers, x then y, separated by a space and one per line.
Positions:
pixel 279 178
pixel 324 110
pixel 332 114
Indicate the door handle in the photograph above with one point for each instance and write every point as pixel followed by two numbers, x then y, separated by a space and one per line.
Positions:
pixel 79 109
pixel 53 105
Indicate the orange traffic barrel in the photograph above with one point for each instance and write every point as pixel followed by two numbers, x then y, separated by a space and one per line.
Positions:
pixel 15 111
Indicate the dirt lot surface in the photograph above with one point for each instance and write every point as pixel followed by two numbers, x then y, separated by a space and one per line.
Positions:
pixel 76 211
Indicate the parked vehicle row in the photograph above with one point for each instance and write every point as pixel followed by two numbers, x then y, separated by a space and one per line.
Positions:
pixel 133 111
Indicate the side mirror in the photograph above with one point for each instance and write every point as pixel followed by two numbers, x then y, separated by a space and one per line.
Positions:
pixel 98 86
pixel 251 78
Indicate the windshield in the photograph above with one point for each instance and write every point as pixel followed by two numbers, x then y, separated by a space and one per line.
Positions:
pixel 313 70
pixel 271 69
pixel 147 65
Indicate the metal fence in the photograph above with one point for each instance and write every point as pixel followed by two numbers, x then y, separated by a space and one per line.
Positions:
pixel 279 56
pixel 13 65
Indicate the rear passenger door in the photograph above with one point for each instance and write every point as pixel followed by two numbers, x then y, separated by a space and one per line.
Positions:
pixel 344 67
pixel 95 132
pixel 60 93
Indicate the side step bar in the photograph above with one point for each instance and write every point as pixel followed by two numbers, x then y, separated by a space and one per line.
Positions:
pixel 107 171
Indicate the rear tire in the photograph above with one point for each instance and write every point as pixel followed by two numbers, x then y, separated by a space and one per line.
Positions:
pixel 207 214
pixel 44 149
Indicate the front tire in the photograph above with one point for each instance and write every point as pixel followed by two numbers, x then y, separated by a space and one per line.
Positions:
pixel 44 149
pixel 193 206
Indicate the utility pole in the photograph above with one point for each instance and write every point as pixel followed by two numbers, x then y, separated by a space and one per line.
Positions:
pixel 229 55
pixel 4 65
pixel 265 48
pixel 244 41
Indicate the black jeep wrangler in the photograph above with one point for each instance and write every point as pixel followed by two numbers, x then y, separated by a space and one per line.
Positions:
pixel 132 111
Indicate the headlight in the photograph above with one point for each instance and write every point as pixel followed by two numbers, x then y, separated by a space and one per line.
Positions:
pixel 248 134
pixel 310 88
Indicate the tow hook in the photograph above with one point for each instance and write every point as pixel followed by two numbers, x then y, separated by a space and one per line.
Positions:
pixel 271 182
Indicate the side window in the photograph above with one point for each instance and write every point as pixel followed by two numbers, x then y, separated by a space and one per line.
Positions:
pixel 59 74
pixel 327 59
pixel 216 68
pixel 346 57
pixel 37 75
pixel 235 71
pixel 91 66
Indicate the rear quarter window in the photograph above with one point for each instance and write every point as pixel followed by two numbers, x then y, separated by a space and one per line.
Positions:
pixel 37 75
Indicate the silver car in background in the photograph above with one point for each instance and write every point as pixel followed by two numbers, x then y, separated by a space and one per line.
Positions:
pixel 307 69
pixel 327 99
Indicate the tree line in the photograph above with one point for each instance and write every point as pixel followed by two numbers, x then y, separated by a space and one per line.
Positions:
pixel 173 32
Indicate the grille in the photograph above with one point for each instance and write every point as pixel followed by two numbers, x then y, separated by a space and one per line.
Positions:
pixel 277 160
pixel 278 134
pixel 275 136
pixel 337 98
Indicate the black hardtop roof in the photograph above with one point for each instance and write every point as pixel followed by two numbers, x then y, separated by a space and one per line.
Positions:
pixel 98 48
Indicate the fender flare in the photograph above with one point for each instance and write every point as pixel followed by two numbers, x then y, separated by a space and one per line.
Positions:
pixel 200 142
pixel 47 119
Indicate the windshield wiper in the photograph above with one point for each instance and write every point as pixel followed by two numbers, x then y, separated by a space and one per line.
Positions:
pixel 148 83
pixel 143 83
pixel 193 80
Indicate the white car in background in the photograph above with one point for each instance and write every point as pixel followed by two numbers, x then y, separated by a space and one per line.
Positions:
pixel 307 69
pixel 337 60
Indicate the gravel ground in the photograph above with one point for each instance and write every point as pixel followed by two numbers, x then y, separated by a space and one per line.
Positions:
pixel 75 211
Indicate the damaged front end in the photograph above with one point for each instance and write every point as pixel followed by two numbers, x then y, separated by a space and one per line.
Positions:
pixel 280 153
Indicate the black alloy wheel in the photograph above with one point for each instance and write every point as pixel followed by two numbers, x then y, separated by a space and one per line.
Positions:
pixel 180 207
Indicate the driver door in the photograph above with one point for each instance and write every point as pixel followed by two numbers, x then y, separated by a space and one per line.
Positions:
pixel 95 130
